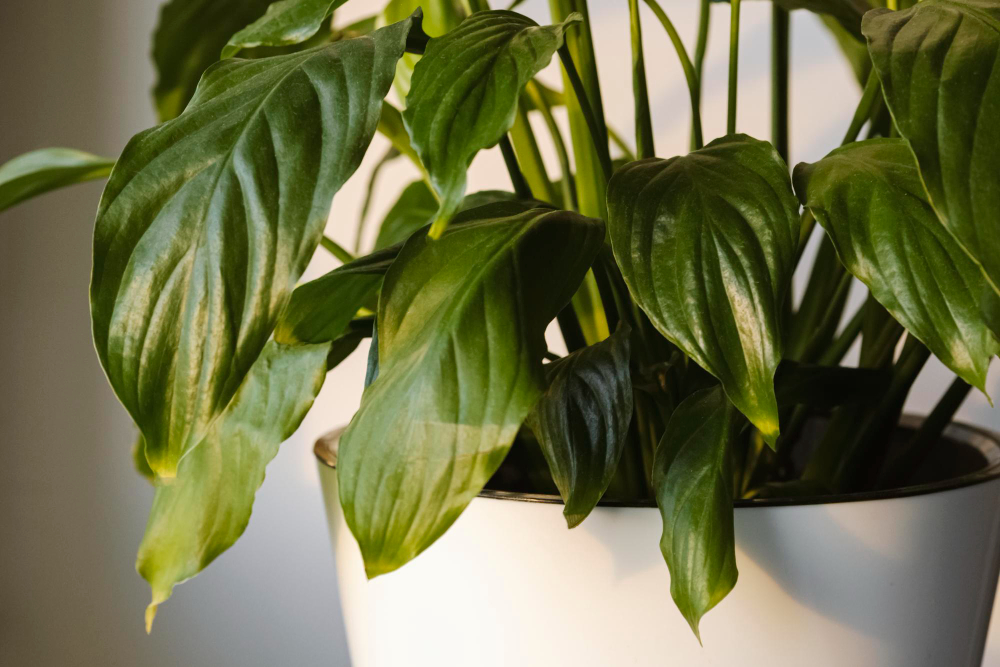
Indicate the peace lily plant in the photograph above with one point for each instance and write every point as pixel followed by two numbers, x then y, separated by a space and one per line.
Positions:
pixel 691 369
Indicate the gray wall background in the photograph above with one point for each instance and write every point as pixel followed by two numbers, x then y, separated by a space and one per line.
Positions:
pixel 72 511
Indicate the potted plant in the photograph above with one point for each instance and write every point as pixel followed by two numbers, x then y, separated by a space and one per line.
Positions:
pixel 697 401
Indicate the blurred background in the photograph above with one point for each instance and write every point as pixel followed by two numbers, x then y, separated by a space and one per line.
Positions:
pixel 72 511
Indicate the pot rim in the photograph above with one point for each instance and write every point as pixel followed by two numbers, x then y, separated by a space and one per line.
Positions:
pixel 983 440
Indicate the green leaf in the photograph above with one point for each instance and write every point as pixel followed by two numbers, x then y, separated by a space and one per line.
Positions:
pixel 938 64
pixel 286 22
pixel 693 482
pixel 582 420
pixel 139 460
pixel 206 509
pixel 414 209
pixel 40 171
pixel 188 38
pixel 869 198
pixel 847 12
pixel 824 387
pixel 320 311
pixel 208 221
pixel 460 345
pixel 706 243
pixel 465 92
pixel 440 16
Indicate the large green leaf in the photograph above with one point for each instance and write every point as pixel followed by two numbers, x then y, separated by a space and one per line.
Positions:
pixel 706 243
pixel 440 16
pixel 939 63
pixel 188 38
pixel 320 310
pixel 693 482
pixel 286 22
pixel 465 92
pixel 582 420
pixel 204 511
pixel 460 345
pixel 869 198
pixel 40 171
pixel 208 221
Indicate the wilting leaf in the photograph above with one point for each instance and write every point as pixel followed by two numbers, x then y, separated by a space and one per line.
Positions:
pixel 582 420
pixel 320 310
pixel 460 344
pixel 465 92
pixel 40 171
pixel 188 38
pixel 938 63
pixel 206 509
pixel 285 22
pixel 706 243
pixel 208 221
pixel 869 198
pixel 693 482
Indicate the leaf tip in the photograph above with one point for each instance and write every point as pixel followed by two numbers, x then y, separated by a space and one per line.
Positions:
pixel 150 615
pixel 574 519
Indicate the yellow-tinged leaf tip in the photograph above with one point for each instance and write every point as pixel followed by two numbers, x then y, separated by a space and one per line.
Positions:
pixel 150 615
pixel 437 228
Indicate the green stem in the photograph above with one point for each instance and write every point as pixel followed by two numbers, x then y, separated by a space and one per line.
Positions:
pixel 690 74
pixel 838 349
pixel 619 143
pixel 734 58
pixel 568 192
pixel 529 158
pixel 596 135
pixel 521 188
pixel 336 250
pixel 643 122
pixel 780 30
pixel 700 48
pixel 866 106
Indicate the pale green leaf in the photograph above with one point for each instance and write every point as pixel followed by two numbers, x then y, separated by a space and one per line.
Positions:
pixel 47 169
pixel 460 345
pixel 706 243
pixel 208 221
pixel 206 509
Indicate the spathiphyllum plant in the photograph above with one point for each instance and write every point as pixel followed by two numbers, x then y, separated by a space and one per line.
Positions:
pixel 690 368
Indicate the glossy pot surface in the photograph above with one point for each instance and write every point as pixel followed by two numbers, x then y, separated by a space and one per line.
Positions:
pixel 890 579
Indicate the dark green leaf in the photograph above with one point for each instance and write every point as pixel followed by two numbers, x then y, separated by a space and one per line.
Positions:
pixel 460 344
pixel 139 459
pixel 414 209
pixel 206 509
pixel 440 16
pixel 40 171
pixel 188 39
pixel 286 22
pixel 938 63
pixel 319 311
pixel 847 12
pixel 693 481
pixel 869 198
pixel 582 420
pixel 824 387
pixel 706 243
pixel 208 220
pixel 465 92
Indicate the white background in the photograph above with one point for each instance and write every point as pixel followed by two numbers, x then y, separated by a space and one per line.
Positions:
pixel 71 509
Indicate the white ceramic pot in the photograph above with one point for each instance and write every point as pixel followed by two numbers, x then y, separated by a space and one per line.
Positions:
pixel 895 579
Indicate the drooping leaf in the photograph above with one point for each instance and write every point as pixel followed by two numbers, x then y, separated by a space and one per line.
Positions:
pixel 706 243
pixel 206 509
pixel 47 169
pixel 285 22
pixel 824 387
pixel 869 198
pixel 939 64
pixel 465 92
pixel 208 221
pixel 582 420
pixel 320 310
pixel 460 345
pixel 693 482
pixel 188 38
